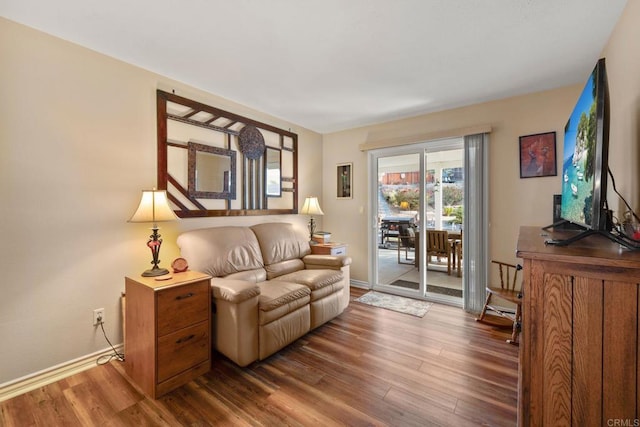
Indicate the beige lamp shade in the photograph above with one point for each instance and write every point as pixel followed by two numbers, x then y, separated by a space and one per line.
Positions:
pixel 154 207
pixel 311 207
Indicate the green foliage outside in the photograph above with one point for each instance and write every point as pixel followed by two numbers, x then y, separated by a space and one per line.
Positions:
pixel 457 213
pixel 452 195
pixel 452 199
pixel 411 195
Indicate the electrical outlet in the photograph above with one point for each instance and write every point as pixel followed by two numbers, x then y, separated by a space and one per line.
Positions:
pixel 98 316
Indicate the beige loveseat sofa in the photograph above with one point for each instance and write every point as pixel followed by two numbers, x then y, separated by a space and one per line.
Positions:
pixel 268 289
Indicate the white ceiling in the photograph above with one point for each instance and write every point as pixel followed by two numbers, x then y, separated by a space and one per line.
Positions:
pixel 330 65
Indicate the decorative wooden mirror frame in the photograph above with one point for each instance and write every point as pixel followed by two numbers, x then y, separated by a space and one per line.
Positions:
pixel 251 185
pixel 202 182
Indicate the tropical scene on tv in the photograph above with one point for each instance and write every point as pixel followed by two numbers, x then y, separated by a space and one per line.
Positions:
pixel 579 157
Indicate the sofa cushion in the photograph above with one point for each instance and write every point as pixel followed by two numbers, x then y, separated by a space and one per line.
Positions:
pixel 314 279
pixel 221 251
pixel 255 276
pixel 274 294
pixel 284 267
pixel 279 242
pixel 320 293
pixel 278 298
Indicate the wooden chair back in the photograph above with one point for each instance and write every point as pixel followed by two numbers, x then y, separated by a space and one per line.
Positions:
pixel 508 275
pixel 438 243
pixel 507 291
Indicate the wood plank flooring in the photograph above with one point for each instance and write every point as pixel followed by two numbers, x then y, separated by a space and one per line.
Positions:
pixel 368 367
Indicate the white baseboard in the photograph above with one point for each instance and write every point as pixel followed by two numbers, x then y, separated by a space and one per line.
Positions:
pixel 359 284
pixel 39 379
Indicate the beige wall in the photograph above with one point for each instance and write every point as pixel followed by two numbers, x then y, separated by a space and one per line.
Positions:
pixel 78 144
pixel 623 68
pixel 513 201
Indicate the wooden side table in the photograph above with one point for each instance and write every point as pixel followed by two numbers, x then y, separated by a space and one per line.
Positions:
pixel 329 249
pixel 167 330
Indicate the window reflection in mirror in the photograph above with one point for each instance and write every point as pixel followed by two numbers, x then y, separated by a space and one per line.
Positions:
pixel 272 173
pixel 208 176
pixel 212 172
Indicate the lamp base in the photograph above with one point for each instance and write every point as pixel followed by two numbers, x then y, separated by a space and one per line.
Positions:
pixel 155 272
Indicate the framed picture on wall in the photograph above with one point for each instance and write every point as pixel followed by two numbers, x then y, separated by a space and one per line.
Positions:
pixel 345 180
pixel 538 155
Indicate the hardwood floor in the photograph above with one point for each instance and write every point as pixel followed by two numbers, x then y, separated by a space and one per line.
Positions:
pixel 370 366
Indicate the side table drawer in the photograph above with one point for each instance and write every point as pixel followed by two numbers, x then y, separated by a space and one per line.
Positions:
pixel 339 250
pixel 182 350
pixel 182 306
pixel 329 249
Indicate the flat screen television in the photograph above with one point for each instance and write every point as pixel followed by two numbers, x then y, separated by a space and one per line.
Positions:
pixel 585 160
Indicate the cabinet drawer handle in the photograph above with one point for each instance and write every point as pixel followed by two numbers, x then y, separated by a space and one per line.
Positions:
pixel 185 339
pixel 185 296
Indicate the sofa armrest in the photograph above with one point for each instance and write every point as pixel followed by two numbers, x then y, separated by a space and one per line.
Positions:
pixel 232 290
pixel 333 262
pixel 235 323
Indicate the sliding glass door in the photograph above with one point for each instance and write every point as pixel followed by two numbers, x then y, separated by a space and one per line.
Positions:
pixel 400 199
pixel 417 195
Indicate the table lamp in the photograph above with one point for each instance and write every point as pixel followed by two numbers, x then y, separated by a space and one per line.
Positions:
pixel 311 207
pixel 154 207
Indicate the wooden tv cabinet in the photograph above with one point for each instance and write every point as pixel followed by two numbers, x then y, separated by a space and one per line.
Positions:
pixel 579 344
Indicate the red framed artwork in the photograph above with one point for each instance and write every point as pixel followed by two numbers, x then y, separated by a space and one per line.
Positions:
pixel 538 155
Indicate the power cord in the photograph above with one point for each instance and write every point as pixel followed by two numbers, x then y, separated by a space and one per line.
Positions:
pixel 613 185
pixel 102 360
pixel 625 230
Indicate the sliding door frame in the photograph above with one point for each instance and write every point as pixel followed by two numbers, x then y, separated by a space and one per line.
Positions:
pixel 374 156
pixel 476 204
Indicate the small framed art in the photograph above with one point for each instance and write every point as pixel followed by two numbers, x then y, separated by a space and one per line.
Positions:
pixel 344 180
pixel 538 155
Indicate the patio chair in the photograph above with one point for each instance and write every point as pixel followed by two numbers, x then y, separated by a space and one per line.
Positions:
pixel 438 245
pixel 456 251
pixel 406 242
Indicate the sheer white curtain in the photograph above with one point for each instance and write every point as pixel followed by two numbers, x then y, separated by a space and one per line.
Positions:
pixel 476 217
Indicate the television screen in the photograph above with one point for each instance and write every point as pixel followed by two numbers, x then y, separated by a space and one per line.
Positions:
pixel 584 160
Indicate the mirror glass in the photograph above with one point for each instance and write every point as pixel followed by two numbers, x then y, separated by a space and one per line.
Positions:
pixel 272 172
pixel 212 172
